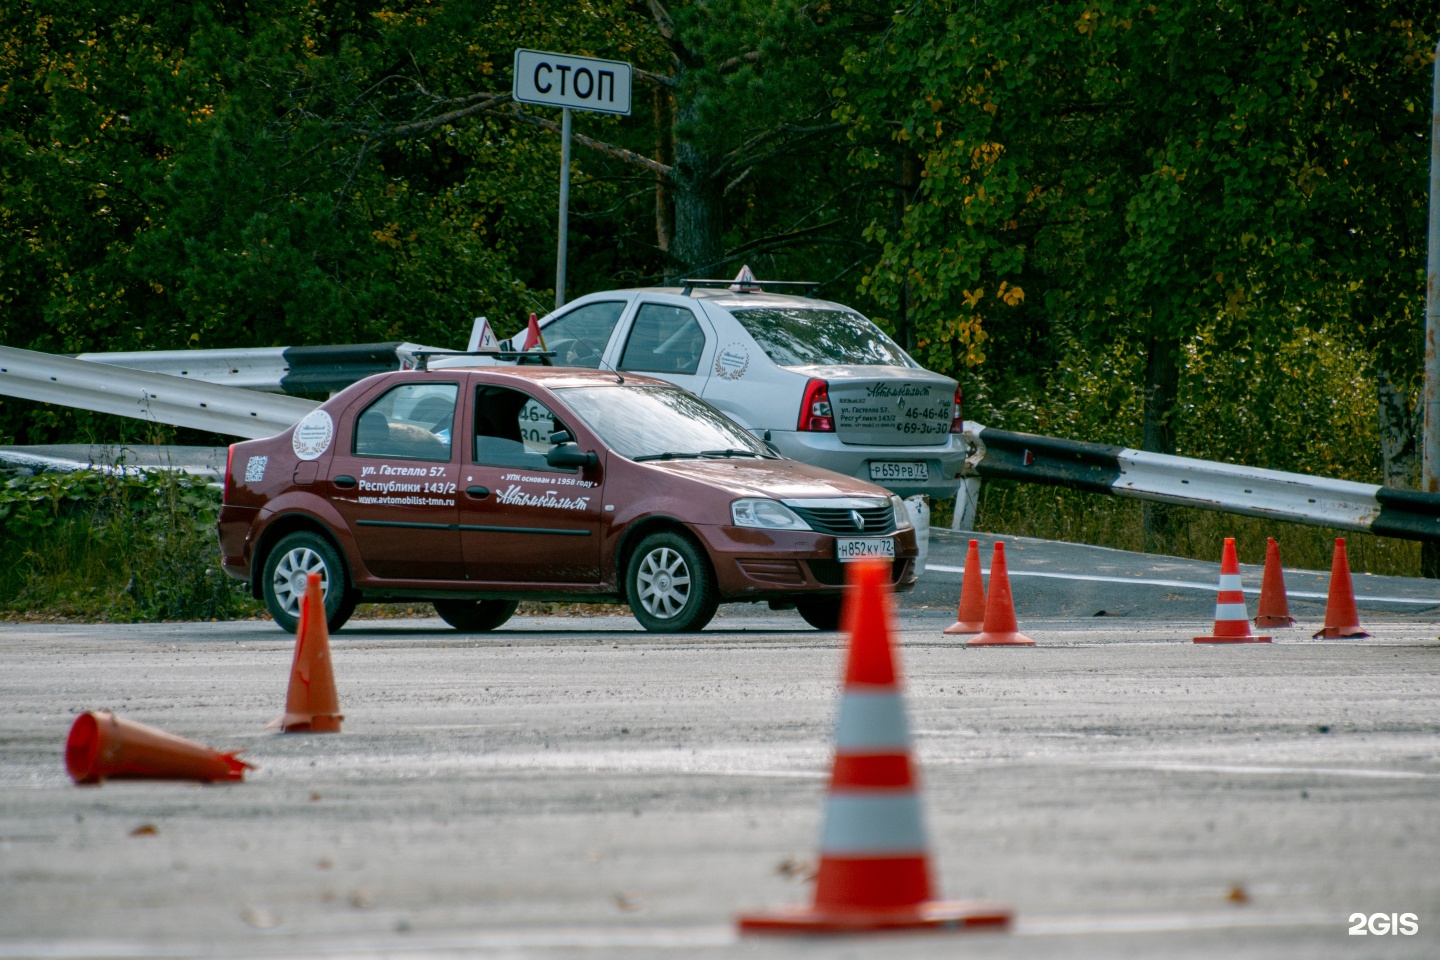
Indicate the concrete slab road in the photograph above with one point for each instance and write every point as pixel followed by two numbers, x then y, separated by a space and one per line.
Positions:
pixel 578 788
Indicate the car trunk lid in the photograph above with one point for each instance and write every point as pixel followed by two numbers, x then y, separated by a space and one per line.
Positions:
pixel 888 406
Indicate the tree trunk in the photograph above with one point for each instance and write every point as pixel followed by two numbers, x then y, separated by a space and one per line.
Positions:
pixel 664 132
pixel 695 248
pixel 1162 391
pixel 1399 435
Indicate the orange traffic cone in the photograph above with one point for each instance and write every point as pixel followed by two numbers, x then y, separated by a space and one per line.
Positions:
pixel 971 616
pixel 1000 630
pixel 1341 617
pixel 102 745
pixel 874 871
pixel 1274 608
pixel 1232 620
pixel 311 705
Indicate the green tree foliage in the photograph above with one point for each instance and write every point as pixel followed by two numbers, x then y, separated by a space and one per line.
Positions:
pixel 1108 218
pixel 1193 178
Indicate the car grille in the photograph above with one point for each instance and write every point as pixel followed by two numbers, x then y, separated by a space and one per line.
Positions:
pixel 832 572
pixel 838 520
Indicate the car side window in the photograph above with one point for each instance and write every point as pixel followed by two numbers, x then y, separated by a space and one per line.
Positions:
pixel 411 421
pixel 664 339
pixel 579 337
pixel 512 429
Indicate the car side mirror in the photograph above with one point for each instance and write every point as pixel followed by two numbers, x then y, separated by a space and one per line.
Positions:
pixel 568 455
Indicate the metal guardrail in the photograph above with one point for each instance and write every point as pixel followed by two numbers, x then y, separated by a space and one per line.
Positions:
pixel 320 369
pixel 190 400
pixel 180 401
pixel 1251 491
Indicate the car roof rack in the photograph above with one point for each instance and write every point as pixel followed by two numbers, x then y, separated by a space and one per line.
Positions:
pixel 422 357
pixel 810 286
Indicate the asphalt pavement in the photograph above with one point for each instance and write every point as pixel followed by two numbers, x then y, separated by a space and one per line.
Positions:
pixel 576 787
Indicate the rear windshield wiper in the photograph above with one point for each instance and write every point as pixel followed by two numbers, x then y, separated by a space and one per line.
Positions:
pixel 666 456
pixel 733 452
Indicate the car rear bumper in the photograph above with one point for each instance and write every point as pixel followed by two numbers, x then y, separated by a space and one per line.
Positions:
pixel 943 462
pixel 235 527
pixel 755 564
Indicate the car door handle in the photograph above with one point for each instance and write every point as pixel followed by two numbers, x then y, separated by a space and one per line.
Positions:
pixel 344 482
pixel 478 493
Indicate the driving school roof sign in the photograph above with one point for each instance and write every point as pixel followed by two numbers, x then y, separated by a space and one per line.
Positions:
pixel 580 83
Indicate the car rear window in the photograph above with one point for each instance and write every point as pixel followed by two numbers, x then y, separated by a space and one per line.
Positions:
pixel 646 421
pixel 802 336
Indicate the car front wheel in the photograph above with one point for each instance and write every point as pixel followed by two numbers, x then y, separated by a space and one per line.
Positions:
pixel 670 586
pixel 475 616
pixel 295 557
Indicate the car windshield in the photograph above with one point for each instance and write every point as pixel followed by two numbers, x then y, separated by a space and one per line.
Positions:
pixel 658 423
pixel 801 336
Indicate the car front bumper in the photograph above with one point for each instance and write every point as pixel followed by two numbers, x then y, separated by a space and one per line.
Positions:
pixel 754 564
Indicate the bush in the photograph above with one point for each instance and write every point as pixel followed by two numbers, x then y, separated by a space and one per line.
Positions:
pixel 93 545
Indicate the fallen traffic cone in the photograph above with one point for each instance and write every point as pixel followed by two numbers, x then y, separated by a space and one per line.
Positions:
pixel 1232 620
pixel 103 746
pixel 971 616
pixel 311 704
pixel 1341 617
pixel 1000 630
pixel 874 870
pixel 1274 608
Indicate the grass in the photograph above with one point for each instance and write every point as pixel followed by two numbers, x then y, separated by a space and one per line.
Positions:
pixel 87 546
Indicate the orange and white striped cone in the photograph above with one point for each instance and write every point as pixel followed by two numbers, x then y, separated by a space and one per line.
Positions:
pixel 874 868
pixel 1232 620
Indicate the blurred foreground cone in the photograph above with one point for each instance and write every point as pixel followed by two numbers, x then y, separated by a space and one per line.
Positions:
pixel 1274 608
pixel 874 871
pixel 971 616
pixel 102 745
pixel 1000 630
pixel 311 705
pixel 1232 620
pixel 1341 617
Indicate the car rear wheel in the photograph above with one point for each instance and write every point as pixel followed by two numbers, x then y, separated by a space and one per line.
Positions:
pixel 670 586
pixel 475 616
pixel 294 557
pixel 822 613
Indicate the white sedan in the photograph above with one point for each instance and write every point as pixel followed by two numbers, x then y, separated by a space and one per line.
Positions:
pixel 815 378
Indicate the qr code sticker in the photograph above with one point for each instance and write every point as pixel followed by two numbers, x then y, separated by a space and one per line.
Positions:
pixel 255 469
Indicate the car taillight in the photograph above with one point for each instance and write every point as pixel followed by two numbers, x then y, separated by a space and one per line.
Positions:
pixel 229 460
pixel 815 413
pixel 957 416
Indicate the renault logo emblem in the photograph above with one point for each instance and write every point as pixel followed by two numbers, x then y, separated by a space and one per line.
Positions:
pixel 858 518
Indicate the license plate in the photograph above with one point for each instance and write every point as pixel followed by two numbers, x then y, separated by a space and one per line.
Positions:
pixel 857 548
pixel 899 470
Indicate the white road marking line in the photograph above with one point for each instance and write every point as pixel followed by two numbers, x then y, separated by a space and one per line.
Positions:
pixel 664 938
pixel 1266 771
pixel 1182 584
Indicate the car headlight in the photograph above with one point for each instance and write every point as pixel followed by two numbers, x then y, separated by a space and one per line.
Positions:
pixel 770 514
pixel 902 515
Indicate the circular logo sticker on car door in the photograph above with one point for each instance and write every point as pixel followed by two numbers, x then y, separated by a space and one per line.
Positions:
pixel 732 361
pixel 313 435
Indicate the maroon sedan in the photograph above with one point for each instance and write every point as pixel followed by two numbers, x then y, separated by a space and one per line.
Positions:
pixel 474 488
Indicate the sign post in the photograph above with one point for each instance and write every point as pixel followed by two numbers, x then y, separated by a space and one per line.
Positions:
pixel 570 83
